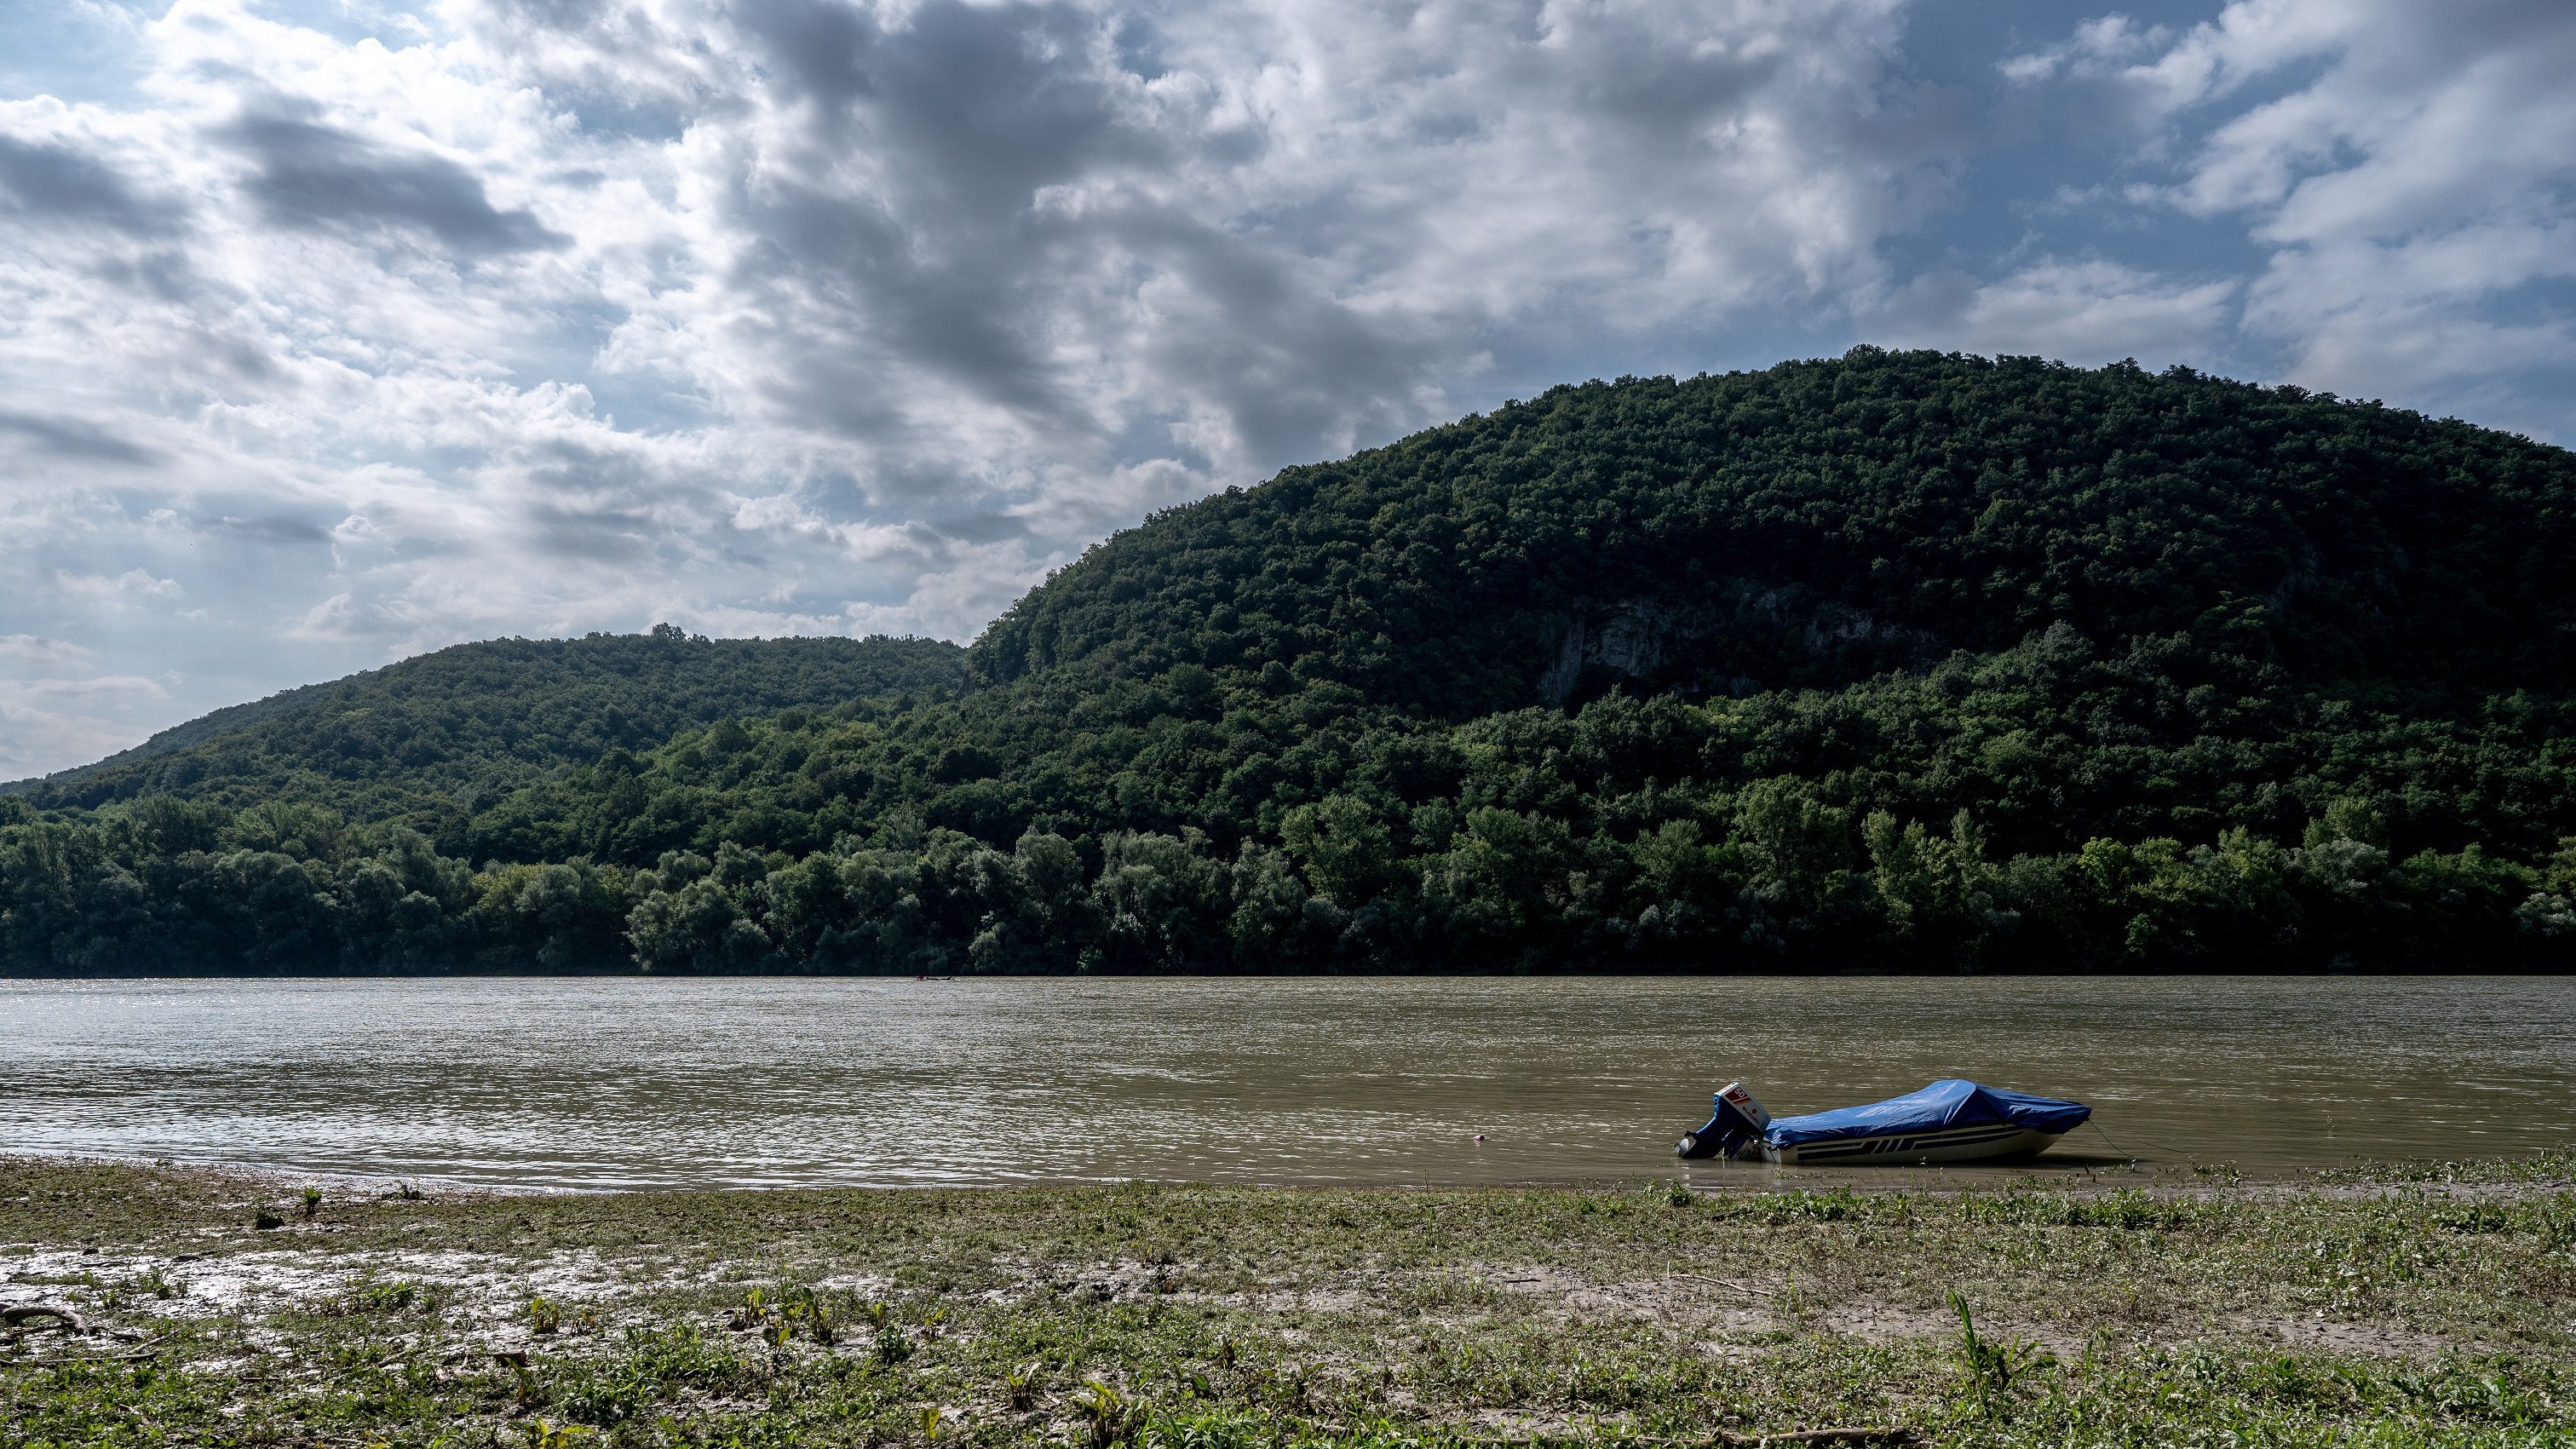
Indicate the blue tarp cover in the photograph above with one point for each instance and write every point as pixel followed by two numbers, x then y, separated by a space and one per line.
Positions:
pixel 1950 1102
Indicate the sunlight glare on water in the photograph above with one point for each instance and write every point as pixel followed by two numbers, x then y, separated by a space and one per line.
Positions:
pixel 587 1083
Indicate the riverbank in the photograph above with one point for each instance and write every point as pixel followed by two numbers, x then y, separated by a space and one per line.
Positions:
pixel 2424 1306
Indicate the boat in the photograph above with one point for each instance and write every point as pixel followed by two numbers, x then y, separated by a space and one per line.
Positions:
pixel 1952 1120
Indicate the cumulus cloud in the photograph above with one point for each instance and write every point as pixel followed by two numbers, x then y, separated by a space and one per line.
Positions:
pixel 43 181
pixel 2404 169
pixel 73 438
pixel 770 316
pixel 36 741
pixel 129 584
pixel 43 717
pixel 28 648
pixel 2101 47
pixel 315 176
pixel 94 688
pixel 2088 312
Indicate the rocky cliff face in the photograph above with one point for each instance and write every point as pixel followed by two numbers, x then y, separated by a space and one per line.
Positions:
pixel 1625 637
pixel 1747 640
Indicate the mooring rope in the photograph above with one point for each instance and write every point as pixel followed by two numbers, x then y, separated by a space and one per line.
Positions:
pixel 2151 1142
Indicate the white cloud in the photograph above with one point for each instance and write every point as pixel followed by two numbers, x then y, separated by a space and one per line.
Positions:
pixel 129 584
pixel 37 741
pixel 102 687
pixel 29 649
pixel 2097 48
pixel 2408 168
pixel 46 724
pixel 2087 312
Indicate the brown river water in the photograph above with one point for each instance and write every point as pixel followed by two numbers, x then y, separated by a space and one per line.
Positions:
pixel 538 1083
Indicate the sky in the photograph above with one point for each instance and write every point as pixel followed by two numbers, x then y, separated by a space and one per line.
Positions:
pixel 333 331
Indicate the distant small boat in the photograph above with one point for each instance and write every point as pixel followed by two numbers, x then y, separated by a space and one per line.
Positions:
pixel 1952 1120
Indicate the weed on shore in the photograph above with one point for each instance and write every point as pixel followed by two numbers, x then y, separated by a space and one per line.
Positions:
pixel 2389 1310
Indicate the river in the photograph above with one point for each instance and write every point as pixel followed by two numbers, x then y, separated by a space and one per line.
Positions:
pixel 589 1083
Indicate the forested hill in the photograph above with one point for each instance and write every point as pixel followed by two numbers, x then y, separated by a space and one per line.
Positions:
pixel 1895 660
pixel 1819 523
pixel 430 740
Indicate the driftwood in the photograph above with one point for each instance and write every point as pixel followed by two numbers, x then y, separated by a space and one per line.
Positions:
pixel 1860 1437
pixel 515 1358
pixel 147 1348
pixel 1749 1291
pixel 19 1315
pixel 1892 1436
pixel 1837 1437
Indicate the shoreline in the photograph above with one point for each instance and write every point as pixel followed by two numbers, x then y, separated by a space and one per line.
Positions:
pixel 627 971
pixel 1148 1314
pixel 2064 1171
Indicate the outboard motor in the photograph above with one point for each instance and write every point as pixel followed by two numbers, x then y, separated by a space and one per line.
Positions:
pixel 1733 1130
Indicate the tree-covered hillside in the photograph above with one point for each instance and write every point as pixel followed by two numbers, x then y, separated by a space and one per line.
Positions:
pixel 429 741
pixel 1894 660
pixel 1822 522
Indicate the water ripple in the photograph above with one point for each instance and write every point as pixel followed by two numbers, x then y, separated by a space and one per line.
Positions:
pixel 622 1083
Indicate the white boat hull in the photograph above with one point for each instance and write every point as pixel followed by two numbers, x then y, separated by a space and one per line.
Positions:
pixel 1948 1144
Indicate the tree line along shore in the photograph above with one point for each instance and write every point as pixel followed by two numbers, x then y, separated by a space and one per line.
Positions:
pixel 281 890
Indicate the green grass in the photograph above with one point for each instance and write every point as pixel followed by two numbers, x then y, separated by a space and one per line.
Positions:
pixel 2388 1309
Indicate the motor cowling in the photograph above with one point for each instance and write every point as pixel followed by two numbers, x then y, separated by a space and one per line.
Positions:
pixel 1734 1128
